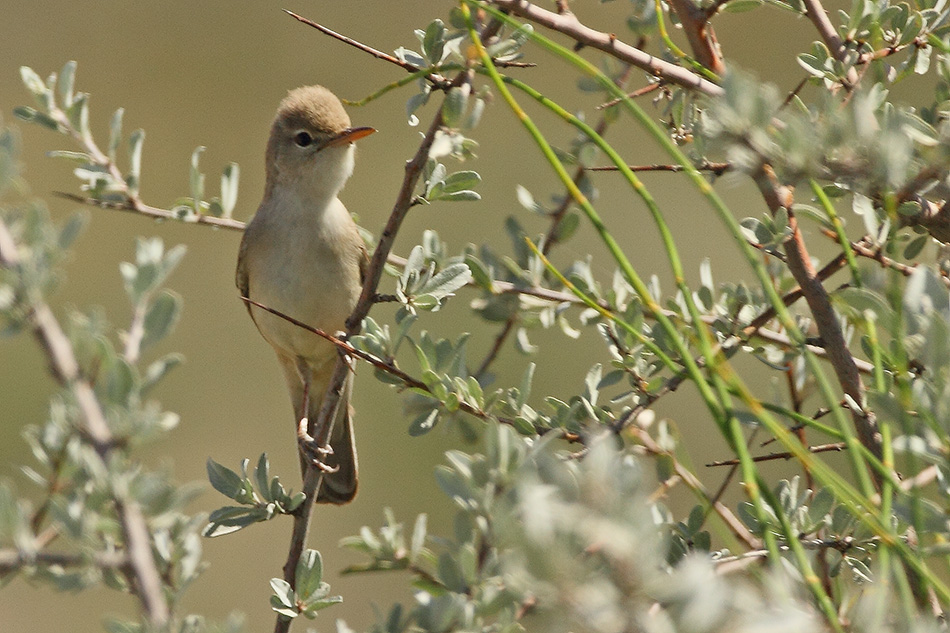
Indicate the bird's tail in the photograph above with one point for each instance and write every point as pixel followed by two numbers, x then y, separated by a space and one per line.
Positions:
pixel 339 487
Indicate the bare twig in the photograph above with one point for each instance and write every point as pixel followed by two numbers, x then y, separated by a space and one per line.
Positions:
pixel 65 369
pixel 716 168
pixel 639 92
pixel 820 448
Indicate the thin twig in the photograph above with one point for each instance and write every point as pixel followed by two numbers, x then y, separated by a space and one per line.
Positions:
pixel 153 212
pixel 820 448
pixel 716 168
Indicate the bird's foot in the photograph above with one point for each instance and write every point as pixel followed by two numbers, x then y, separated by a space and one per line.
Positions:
pixel 311 449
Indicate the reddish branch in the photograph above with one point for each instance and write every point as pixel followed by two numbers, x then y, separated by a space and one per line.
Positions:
pixel 702 39
pixel 569 25
pixel 799 264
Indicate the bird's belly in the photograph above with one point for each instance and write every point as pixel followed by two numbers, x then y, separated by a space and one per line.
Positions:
pixel 309 290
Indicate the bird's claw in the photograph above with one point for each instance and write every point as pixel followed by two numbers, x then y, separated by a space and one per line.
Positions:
pixel 312 451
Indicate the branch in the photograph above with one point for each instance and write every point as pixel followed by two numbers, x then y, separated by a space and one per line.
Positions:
pixel 569 25
pixel 65 369
pixel 819 303
pixel 699 33
pixel 717 169
pixel 820 448
pixel 816 13
pixel 690 479
pixel 14 560
pixel 137 206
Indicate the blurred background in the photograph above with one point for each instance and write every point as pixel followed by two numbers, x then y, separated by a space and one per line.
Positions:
pixel 211 73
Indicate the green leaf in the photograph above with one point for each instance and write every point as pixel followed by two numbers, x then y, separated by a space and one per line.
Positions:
pixel 309 573
pixel 454 105
pixel 115 133
pixel 262 477
pixel 67 78
pixel 229 189
pixel 133 180
pixel 459 196
pixel 197 179
pixel 34 116
pixel 157 370
pixel 161 317
pixel 225 480
pixel 480 274
pixel 283 601
pixel 461 180
pixel 433 43
pixel 71 230
pixel 32 81
pixel 423 423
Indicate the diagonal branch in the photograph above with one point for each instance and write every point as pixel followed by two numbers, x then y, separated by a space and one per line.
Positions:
pixel 569 25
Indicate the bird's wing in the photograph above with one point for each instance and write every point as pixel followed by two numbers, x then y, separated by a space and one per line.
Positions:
pixel 240 275
pixel 364 262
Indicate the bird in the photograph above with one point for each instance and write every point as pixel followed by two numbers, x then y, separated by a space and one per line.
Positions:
pixel 302 255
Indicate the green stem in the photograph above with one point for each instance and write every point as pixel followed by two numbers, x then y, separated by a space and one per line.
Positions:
pixel 839 230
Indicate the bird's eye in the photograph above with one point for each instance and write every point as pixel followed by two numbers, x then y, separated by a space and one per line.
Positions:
pixel 302 139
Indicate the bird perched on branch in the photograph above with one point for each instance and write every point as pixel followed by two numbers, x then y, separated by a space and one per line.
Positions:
pixel 303 256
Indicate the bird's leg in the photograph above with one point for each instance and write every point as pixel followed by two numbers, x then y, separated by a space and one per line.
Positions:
pixel 310 448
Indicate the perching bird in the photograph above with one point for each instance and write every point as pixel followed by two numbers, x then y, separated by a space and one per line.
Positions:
pixel 302 255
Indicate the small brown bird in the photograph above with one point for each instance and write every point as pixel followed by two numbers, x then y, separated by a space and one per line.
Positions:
pixel 302 255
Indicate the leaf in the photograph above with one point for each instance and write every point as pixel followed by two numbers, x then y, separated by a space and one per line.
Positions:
pixel 284 594
pixel 447 281
pixel 229 189
pixel 262 477
pixel 32 81
pixel 115 132
pixel 230 519
pixel 423 423
pixel 136 139
pixel 461 180
pixel 309 573
pixel 433 42
pixel 197 179
pixel 224 480
pixel 418 537
pixel 161 317
pixel 454 105
pixel 480 274
pixel 67 78
pixel 157 370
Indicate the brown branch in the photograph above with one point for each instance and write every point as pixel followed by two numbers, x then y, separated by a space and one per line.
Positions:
pixel 716 168
pixel 639 92
pixel 65 369
pixel 819 303
pixel 820 448
pixel 816 13
pixel 438 80
pixel 14 560
pixel 694 484
pixel 137 206
pixel 569 25
pixel 700 34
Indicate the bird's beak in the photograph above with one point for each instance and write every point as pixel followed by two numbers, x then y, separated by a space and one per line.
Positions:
pixel 347 136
